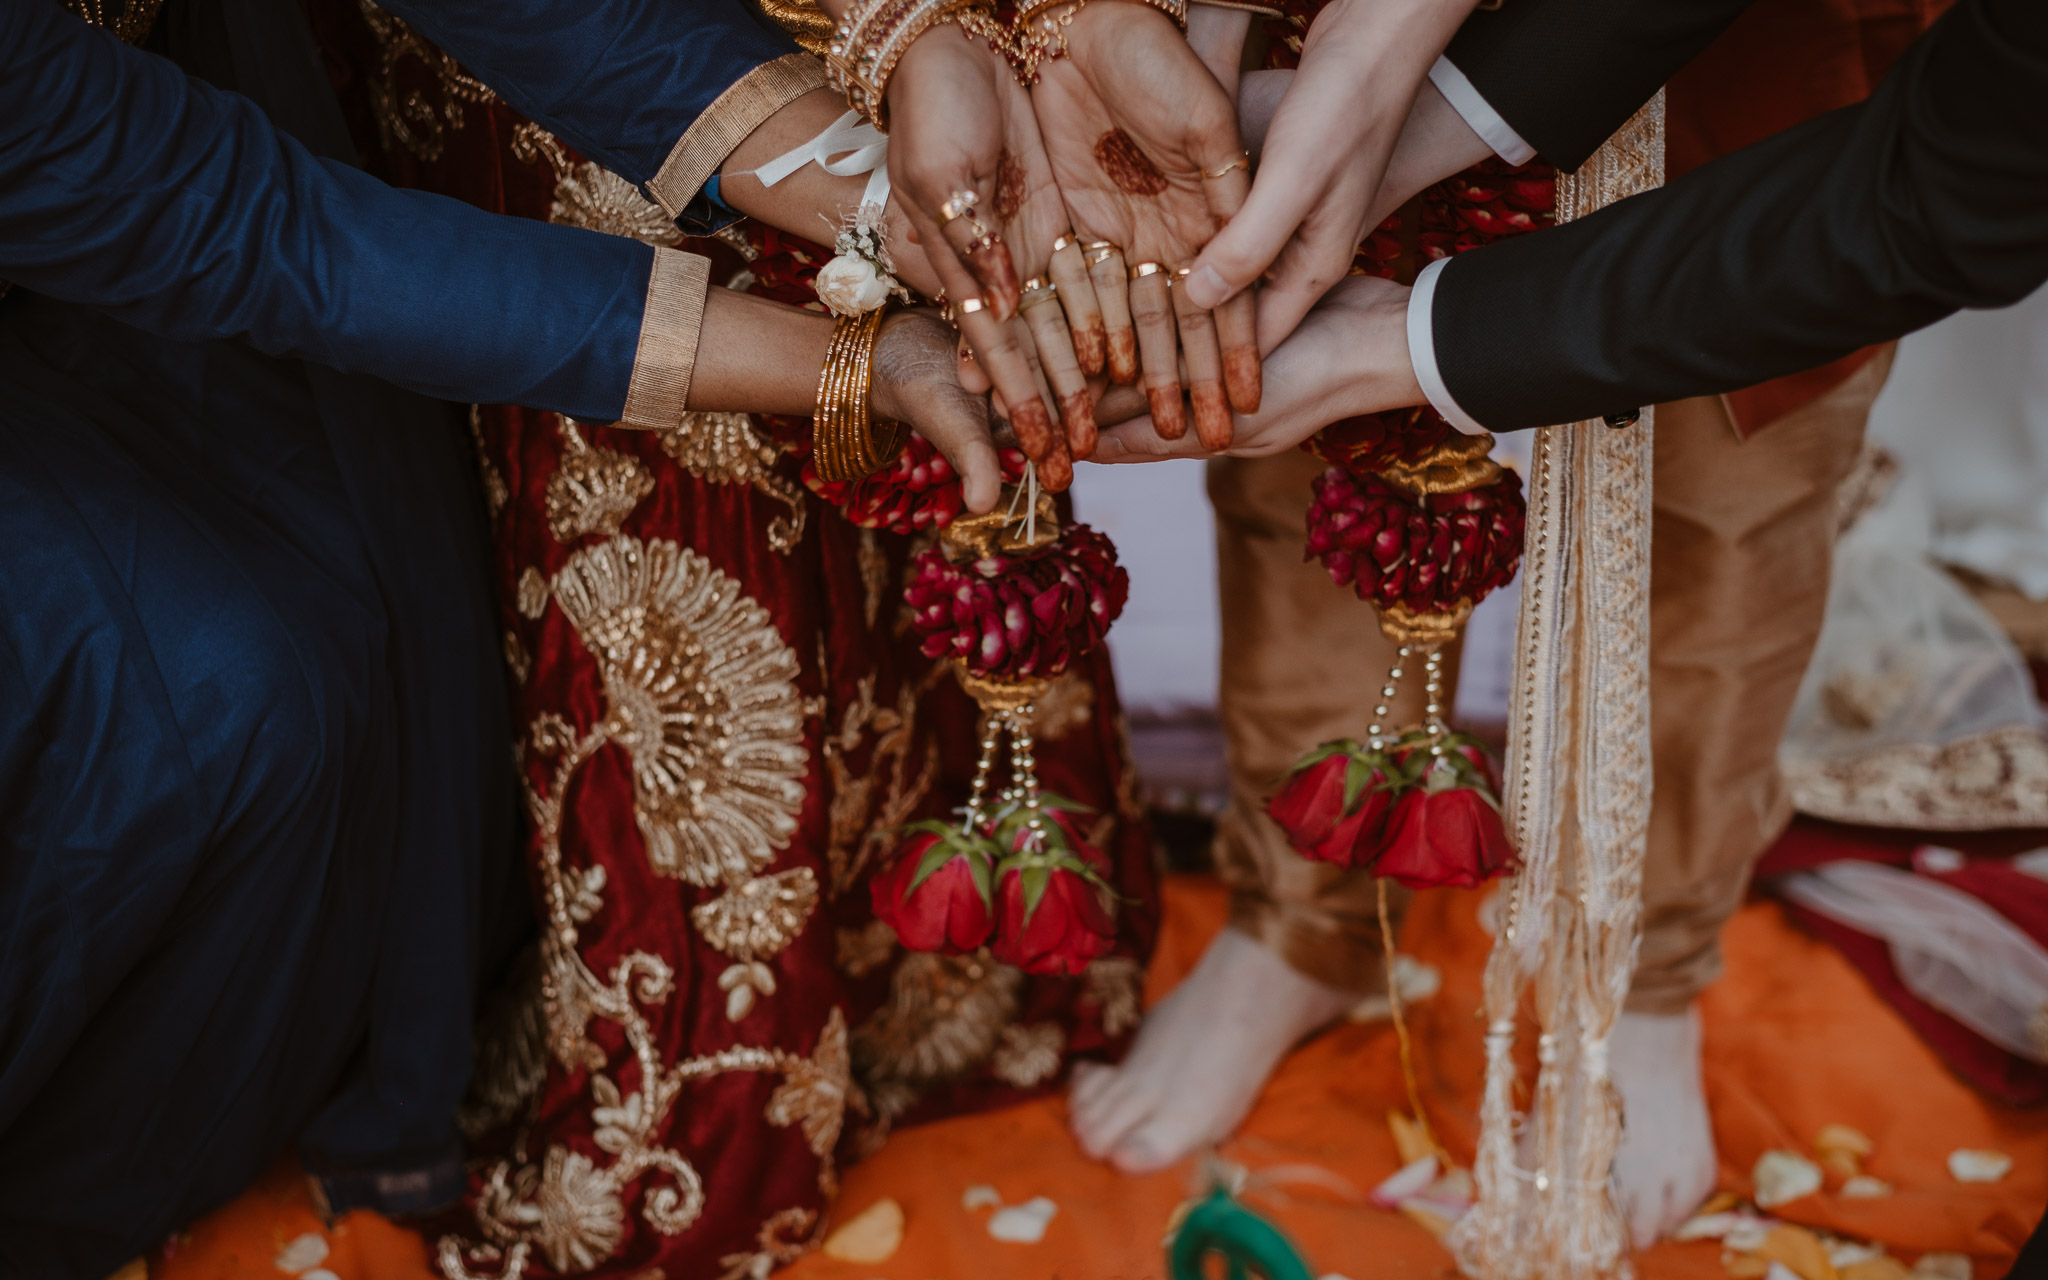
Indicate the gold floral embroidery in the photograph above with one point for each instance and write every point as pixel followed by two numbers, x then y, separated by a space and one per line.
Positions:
pixel 517 660
pixel 861 951
pixel 724 448
pixel 758 917
pixel 1998 778
pixel 813 1096
pixel 593 490
pixel 410 119
pixel 785 1237
pixel 531 598
pixel 569 1206
pixel 754 919
pixel 1028 1056
pixel 807 23
pixel 858 822
pixel 1116 985
pixel 944 1016
pixel 592 196
pixel 701 694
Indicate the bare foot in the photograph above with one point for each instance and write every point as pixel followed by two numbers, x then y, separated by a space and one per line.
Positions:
pixel 1201 1057
pixel 1666 1165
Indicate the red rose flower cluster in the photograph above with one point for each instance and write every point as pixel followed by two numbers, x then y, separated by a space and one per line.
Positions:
pixel 1043 910
pixel 1428 554
pixel 1019 617
pixel 1420 820
pixel 921 491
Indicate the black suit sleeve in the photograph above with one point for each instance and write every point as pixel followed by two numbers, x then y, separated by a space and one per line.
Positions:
pixel 1567 73
pixel 1854 228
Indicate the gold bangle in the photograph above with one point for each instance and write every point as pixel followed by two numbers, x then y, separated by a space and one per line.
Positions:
pixel 846 442
pixel 868 43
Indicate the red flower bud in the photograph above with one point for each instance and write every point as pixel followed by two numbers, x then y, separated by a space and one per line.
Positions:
pixel 1051 914
pixel 1444 833
pixel 936 895
pixel 1427 554
pixel 1334 804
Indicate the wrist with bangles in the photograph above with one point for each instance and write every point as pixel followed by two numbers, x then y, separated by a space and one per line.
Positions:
pixel 872 38
pixel 847 441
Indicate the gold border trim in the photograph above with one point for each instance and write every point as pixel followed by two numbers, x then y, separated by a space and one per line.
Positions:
pixel 734 114
pixel 667 354
pixel 1264 11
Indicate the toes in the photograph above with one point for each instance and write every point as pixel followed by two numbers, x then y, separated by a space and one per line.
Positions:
pixel 1151 1148
pixel 1121 1108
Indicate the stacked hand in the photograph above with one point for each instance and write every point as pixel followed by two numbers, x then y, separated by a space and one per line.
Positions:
pixel 1078 189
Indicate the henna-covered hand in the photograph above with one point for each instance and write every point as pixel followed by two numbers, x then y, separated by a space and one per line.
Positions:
pixel 1143 143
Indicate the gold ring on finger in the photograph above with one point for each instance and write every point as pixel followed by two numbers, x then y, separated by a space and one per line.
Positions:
pixel 986 240
pixel 1143 269
pixel 1036 290
pixel 957 205
pixel 972 306
pixel 1242 162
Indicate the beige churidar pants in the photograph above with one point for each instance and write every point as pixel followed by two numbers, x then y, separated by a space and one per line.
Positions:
pixel 1743 539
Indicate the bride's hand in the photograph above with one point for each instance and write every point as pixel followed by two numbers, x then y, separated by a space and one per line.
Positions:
pixel 1350 356
pixel 916 381
pixel 1143 142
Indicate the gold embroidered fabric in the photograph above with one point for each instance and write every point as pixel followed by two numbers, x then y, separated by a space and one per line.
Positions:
pixel 418 120
pixel 724 448
pixel 805 20
pixel 591 196
pixel 592 491
pixel 701 694
pixel 1984 782
pixel 734 114
pixel 659 393
pixel 1578 801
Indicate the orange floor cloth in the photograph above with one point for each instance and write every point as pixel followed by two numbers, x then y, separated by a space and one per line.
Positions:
pixel 1794 1041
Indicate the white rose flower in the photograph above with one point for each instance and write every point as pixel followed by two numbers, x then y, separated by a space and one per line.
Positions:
pixel 850 285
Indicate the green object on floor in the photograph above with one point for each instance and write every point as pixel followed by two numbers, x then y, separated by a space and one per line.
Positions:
pixel 1248 1244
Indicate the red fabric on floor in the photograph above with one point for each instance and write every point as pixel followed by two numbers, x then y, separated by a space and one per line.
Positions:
pixel 1796 1039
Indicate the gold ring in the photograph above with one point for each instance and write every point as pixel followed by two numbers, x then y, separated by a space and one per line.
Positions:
pixel 957 205
pixel 1062 242
pixel 1102 251
pixel 1242 162
pixel 1034 291
pixel 972 306
pixel 986 240
pixel 1178 274
pixel 1144 269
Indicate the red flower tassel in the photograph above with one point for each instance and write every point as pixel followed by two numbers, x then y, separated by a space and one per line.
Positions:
pixel 938 894
pixel 1334 804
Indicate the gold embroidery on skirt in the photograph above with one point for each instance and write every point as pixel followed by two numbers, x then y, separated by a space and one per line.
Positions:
pixel 1028 1056
pixel 700 692
pixel 943 1018
pixel 724 448
pixel 861 951
pixel 593 197
pixel 517 660
pixel 1068 705
pixel 410 120
pixel 593 489
pixel 874 574
pixel 751 921
pixel 858 822
pixel 496 492
pixel 786 1236
pixel 1116 985
pixel 531 598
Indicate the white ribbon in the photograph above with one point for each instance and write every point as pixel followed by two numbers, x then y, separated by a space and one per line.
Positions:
pixel 865 148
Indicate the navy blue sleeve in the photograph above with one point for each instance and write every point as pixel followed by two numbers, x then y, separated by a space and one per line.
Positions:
pixel 181 210
pixel 618 80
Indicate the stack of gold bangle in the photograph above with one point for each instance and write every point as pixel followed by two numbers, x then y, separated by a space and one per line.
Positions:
pixel 872 38
pixel 846 443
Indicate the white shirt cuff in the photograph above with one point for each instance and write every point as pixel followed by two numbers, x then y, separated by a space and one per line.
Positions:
pixel 1422 350
pixel 1479 113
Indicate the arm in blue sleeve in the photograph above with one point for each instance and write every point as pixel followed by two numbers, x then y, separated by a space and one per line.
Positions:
pixel 622 81
pixel 181 210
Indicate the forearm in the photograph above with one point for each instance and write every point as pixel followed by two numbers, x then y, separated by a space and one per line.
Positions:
pixel 1855 228
pixel 758 356
pixel 657 93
